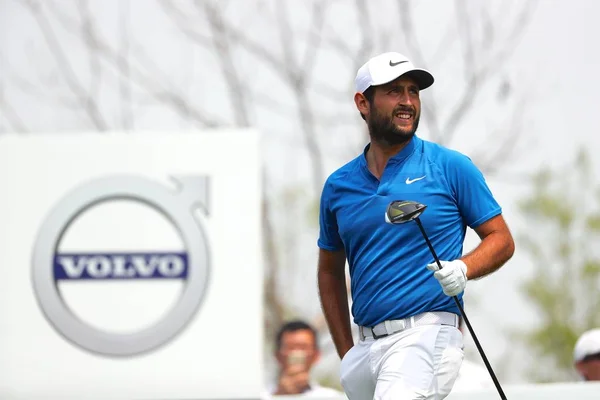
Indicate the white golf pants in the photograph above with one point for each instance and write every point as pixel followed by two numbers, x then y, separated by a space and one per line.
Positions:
pixel 417 363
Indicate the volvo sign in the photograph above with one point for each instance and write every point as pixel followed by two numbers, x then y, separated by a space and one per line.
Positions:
pixel 51 266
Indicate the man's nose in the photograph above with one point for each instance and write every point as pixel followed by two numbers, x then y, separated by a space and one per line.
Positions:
pixel 405 98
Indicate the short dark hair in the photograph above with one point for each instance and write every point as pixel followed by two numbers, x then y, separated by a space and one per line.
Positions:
pixel 591 357
pixel 293 326
pixel 369 95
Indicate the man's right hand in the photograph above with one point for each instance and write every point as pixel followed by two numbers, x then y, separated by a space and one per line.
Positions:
pixel 293 380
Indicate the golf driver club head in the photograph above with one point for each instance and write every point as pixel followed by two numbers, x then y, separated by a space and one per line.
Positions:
pixel 401 211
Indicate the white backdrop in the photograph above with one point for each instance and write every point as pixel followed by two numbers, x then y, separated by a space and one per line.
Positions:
pixel 218 354
pixel 552 391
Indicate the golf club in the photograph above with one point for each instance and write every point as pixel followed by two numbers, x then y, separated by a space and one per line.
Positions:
pixel 402 211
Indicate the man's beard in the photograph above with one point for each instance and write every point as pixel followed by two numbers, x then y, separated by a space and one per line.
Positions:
pixel 384 131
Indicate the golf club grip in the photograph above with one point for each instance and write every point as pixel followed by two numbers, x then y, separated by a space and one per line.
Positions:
pixel 480 349
pixel 464 316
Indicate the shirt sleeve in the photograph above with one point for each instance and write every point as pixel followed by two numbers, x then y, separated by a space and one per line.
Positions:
pixel 473 195
pixel 329 236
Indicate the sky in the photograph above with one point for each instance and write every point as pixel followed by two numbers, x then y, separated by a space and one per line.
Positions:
pixel 557 63
pixel 554 69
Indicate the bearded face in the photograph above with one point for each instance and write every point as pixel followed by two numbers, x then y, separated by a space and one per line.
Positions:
pixel 394 112
pixel 393 128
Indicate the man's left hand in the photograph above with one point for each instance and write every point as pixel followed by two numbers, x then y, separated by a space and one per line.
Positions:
pixel 452 277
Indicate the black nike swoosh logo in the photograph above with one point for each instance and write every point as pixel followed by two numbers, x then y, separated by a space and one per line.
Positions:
pixel 393 64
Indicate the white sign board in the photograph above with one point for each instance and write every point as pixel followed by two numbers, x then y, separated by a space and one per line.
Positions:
pixel 547 391
pixel 130 265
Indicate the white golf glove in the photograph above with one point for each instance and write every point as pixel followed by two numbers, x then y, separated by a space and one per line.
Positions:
pixel 452 277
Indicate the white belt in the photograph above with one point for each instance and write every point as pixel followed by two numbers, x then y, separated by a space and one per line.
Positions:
pixel 390 327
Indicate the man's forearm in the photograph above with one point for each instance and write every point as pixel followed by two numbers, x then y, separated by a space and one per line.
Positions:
pixel 334 301
pixel 493 251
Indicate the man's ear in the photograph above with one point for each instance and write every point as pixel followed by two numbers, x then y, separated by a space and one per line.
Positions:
pixel 580 370
pixel 280 358
pixel 316 357
pixel 362 104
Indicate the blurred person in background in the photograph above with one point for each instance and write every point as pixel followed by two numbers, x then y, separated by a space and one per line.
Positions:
pixel 586 355
pixel 471 376
pixel 296 352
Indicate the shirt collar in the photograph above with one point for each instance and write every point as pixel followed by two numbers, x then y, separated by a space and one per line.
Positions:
pixel 402 154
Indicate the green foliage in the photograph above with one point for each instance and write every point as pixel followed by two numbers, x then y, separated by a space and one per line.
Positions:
pixel 331 381
pixel 563 215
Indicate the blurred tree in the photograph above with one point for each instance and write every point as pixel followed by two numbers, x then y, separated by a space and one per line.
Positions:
pixel 285 67
pixel 563 217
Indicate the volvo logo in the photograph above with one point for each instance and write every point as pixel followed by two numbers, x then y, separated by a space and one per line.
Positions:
pixel 52 266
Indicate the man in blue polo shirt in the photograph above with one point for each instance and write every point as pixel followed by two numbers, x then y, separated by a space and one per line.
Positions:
pixel 410 346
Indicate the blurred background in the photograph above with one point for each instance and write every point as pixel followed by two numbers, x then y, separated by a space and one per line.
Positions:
pixel 516 90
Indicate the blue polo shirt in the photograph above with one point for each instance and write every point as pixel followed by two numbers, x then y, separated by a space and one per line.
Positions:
pixel 389 278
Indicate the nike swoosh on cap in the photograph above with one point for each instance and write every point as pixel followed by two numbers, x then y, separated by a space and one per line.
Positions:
pixel 393 64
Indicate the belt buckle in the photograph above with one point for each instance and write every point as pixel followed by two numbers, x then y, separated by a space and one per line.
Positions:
pixel 375 336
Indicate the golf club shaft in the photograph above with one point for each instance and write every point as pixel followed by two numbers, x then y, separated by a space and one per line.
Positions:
pixel 464 316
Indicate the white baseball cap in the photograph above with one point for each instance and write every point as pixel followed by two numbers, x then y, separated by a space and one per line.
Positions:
pixel 587 344
pixel 385 68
